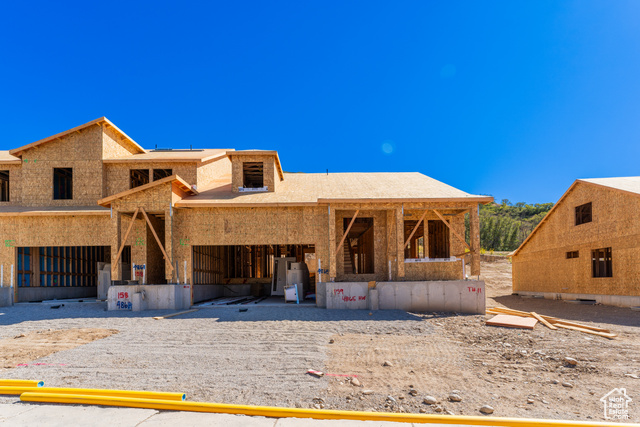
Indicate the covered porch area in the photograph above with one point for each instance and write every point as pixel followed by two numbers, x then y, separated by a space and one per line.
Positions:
pixel 403 242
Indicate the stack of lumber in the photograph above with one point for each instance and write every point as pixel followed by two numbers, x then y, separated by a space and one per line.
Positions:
pixel 555 323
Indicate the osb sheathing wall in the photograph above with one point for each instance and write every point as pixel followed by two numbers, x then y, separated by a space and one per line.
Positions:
pixel 81 151
pixel 118 176
pixel 32 231
pixel 271 177
pixel 433 270
pixel 115 146
pixel 211 171
pixel 247 226
pixel 542 265
pixel 15 184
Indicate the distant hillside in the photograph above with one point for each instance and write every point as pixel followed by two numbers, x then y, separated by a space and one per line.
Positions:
pixel 504 226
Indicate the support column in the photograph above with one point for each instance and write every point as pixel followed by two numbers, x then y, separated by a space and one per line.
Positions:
pixel 474 237
pixel 400 242
pixel 116 242
pixel 169 271
pixel 425 236
pixel 332 243
pixel 391 267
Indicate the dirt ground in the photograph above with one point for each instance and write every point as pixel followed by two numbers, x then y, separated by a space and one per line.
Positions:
pixel 520 373
pixel 260 357
pixel 23 349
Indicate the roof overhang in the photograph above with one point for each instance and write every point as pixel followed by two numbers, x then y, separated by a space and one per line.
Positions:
pixel 480 199
pixel 101 121
pixel 564 196
pixel 169 159
pixel 178 184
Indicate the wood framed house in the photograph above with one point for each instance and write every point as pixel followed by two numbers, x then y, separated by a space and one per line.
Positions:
pixel 587 247
pixel 91 196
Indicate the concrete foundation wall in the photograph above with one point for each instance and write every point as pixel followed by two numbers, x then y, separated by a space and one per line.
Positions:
pixel 463 296
pixel 151 297
pixel 347 295
pixel 6 296
pixel 206 292
pixel 41 293
pixel 613 300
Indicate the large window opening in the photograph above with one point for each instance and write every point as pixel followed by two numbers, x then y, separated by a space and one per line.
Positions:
pixel 583 213
pixel 438 239
pixel 415 248
pixel 4 186
pixel 161 173
pixel 601 261
pixel 358 246
pixel 62 183
pixel 253 174
pixel 138 177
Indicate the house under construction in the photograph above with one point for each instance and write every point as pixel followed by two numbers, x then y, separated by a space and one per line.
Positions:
pixel 91 199
pixel 586 247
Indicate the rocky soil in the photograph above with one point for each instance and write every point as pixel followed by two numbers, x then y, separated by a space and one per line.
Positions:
pixel 379 361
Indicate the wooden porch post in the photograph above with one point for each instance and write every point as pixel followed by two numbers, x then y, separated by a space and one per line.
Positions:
pixel 169 244
pixel 391 264
pixel 116 242
pixel 474 232
pixel 400 242
pixel 425 235
pixel 332 242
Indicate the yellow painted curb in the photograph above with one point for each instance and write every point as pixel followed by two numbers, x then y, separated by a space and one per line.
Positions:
pixel 322 414
pixel 155 395
pixel 21 383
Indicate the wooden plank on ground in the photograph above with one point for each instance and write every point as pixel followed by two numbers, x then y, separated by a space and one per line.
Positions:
pixel 175 314
pixel 550 319
pixel 544 322
pixel 587 331
pixel 509 321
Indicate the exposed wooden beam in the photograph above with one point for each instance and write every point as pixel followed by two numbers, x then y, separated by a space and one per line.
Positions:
pixel 415 228
pixel 166 257
pixel 455 233
pixel 124 240
pixel 463 254
pixel 347 232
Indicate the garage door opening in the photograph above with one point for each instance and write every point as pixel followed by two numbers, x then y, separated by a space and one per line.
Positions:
pixel 244 269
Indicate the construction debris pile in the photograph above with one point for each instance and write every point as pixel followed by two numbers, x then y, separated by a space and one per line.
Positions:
pixel 550 322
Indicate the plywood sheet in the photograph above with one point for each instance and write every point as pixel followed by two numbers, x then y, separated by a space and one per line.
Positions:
pixel 509 321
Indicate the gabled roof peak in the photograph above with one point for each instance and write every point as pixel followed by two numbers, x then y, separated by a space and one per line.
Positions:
pixel 102 120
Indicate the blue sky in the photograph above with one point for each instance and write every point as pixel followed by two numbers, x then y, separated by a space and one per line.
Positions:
pixel 510 98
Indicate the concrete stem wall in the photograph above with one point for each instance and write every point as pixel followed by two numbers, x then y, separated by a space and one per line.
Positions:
pixel 460 296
